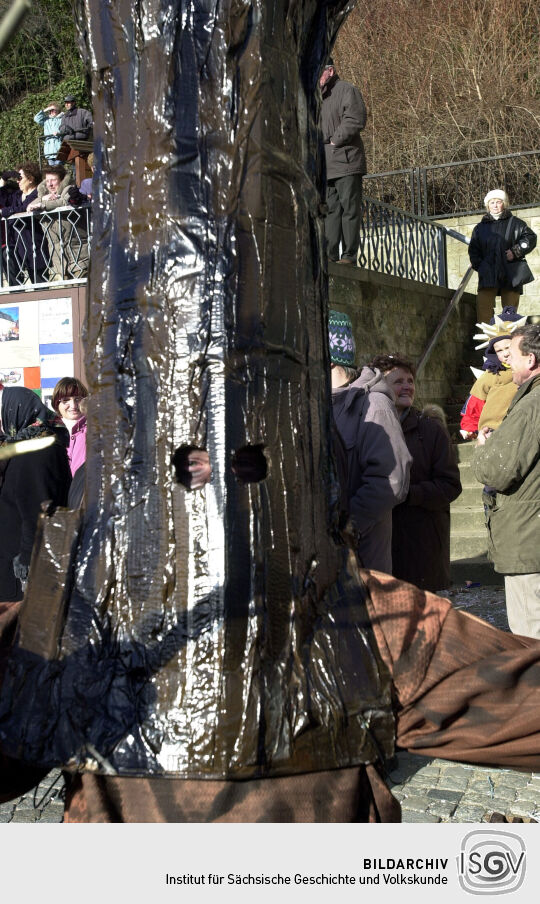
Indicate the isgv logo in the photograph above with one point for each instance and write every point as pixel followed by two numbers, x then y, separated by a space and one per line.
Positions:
pixel 491 863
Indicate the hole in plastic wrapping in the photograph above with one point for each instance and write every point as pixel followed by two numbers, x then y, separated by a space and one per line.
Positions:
pixel 192 467
pixel 249 464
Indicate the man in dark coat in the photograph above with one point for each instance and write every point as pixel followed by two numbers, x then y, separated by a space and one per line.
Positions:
pixel 26 481
pixel 343 116
pixel 76 122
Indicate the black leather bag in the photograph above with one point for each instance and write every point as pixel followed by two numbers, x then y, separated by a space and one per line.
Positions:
pixel 518 271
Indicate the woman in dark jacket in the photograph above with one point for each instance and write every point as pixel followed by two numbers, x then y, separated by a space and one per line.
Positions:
pixel 497 250
pixel 22 237
pixel 27 480
pixel 421 524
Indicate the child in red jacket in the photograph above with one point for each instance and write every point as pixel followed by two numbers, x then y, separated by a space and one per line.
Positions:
pixel 494 389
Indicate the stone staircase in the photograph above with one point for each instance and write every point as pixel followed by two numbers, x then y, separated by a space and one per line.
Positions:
pixel 468 535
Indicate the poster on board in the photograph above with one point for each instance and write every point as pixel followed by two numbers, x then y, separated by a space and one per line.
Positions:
pixel 19 335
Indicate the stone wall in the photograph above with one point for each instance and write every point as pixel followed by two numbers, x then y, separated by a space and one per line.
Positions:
pixel 391 315
pixel 458 259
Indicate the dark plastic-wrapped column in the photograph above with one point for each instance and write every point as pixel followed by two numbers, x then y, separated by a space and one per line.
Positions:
pixel 217 632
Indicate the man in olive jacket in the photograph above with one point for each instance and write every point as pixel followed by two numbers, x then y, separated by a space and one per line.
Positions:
pixel 343 116
pixel 509 461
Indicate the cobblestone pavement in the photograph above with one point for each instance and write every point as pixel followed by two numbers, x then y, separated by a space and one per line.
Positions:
pixel 430 790
pixel 435 790
pixel 45 803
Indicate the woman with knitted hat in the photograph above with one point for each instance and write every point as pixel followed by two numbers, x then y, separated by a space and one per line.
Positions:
pixel 497 250
pixel 378 461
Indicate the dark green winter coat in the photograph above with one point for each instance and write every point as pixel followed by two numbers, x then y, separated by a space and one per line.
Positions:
pixel 510 462
pixel 343 116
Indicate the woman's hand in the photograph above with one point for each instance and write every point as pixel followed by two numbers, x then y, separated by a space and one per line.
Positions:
pixel 509 255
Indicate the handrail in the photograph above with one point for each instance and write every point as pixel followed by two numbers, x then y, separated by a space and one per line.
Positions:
pixel 402 244
pixel 454 301
pixel 456 298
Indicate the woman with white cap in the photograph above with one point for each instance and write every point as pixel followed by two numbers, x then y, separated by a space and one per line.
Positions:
pixel 497 250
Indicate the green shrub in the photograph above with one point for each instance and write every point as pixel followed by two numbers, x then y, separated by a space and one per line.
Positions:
pixel 19 133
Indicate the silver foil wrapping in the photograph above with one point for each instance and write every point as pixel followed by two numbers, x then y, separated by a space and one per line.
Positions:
pixel 220 632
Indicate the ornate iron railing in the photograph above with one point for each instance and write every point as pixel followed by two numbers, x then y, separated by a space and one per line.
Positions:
pixel 401 244
pixel 40 248
pixel 452 189
pixel 46 247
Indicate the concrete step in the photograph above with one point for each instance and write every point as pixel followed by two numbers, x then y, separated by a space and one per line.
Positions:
pixel 471 497
pixel 453 413
pixel 477 570
pixel 469 483
pixel 468 480
pixel 465 451
pixel 463 389
pixel 466 518
pixel 468 543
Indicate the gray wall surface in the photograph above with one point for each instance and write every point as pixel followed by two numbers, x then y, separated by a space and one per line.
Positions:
pixel 390 315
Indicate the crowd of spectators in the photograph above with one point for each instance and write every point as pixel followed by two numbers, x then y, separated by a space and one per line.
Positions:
pixel 399 474
pixel 44 221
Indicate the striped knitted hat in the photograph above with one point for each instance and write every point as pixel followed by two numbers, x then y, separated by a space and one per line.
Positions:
pixel 342 347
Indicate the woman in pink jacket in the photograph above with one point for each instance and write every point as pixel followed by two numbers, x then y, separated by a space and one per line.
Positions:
pixel 68 400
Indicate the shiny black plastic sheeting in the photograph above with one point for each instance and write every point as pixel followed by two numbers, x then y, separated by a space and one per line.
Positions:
pixel 220 632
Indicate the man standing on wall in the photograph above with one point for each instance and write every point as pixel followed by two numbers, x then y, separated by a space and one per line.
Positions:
pixel 343 116
pixel 509 461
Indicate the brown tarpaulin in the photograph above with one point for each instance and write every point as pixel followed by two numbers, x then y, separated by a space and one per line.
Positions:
pixel 464 691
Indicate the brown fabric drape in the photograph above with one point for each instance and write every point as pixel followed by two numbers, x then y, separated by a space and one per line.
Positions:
pixel 465 690
pixel 344 795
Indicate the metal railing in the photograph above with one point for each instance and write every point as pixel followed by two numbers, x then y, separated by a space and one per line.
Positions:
pixel 452 189
pixel 401 244
pixel 44 247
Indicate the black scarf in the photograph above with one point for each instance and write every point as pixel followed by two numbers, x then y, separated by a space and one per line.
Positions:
pixel 24 416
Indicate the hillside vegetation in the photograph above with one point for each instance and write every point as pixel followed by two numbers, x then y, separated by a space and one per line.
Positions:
pixel 42 63
pixel 444 81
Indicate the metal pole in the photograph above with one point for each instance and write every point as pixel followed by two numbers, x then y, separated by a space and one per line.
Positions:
pixel 453 304
pixel 12 20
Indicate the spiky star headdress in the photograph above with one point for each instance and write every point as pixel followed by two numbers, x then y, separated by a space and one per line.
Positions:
pixel 501 326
